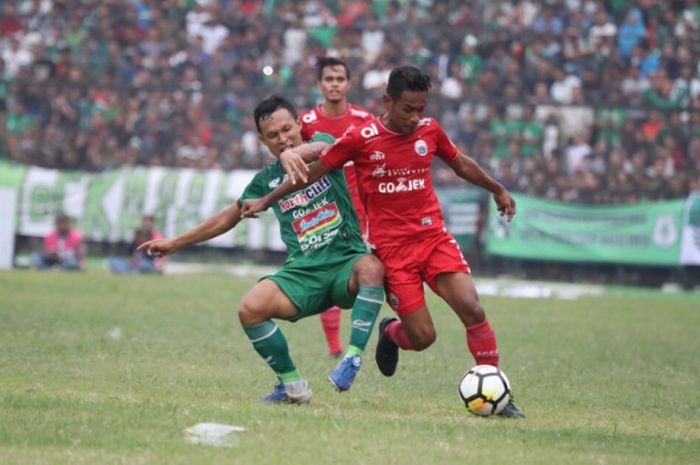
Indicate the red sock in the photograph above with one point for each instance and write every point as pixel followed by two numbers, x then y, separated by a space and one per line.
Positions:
pixel 330 320
pixel 482 343
pixel 398 335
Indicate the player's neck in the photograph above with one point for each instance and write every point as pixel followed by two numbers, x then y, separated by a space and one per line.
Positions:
pixel 384 119
pixel 334 108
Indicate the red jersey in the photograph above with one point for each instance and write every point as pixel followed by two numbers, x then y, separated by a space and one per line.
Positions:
pixel 394 177
pixel 315 120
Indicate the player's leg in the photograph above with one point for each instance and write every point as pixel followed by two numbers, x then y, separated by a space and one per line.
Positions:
pixel 458 290
pixel 330 321
pixel 404 287
pixel 259 306
pixel 364 280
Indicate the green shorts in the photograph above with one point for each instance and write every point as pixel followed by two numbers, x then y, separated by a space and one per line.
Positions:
pixel 314 288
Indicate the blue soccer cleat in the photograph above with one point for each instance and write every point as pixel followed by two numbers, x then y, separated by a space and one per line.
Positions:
pixel 277 396
pixel 342 377
pixel 296 392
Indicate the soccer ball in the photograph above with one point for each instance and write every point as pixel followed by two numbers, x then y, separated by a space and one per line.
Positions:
pixel 485 390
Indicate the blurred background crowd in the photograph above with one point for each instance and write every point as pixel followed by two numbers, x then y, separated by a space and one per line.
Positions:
pixel 576 100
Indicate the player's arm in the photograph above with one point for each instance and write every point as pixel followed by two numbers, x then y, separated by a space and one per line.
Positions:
pixel 214 226
pixel 466 168
pixel 294 160
pixel 251 207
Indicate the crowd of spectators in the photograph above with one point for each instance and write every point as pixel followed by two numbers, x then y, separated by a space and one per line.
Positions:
pixel 576 100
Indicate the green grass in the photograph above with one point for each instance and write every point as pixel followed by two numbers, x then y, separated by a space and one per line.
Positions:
pixel 606 380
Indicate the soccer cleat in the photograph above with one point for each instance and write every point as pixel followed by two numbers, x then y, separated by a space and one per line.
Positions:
pixel 342 377
pixel 296 392
pixel 337 354
pixel 277 396
pixel 387 353
pixel 511 411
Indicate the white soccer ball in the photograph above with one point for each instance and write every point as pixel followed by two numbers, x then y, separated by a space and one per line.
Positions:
pixel 485 390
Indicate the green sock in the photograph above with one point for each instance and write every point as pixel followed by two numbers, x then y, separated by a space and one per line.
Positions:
pixel 365 310
pixel 270 343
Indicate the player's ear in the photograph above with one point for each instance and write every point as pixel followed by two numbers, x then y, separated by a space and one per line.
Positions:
pixel 387 102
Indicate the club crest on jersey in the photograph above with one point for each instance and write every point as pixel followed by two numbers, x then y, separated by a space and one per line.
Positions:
pixel 393 300
pixel 421 148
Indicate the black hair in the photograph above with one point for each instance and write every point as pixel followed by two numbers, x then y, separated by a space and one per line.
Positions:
pixel 407 78
pixel 323 62
pixel 270 105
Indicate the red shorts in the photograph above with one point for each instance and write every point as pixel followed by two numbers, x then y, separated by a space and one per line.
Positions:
pixel 408 265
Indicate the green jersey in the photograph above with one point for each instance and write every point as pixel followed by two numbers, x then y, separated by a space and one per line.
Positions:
pixel 318 223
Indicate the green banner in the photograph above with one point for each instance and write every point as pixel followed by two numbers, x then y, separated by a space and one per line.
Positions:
pixel 640 234
pixel 108 206
pixel 461 207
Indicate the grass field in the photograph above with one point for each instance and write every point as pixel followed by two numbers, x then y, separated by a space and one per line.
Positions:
pixel 604 380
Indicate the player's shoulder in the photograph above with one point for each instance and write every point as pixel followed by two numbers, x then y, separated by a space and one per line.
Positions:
pixel 429 123
pixel 429 126
pixel 360 113
pixel 271 174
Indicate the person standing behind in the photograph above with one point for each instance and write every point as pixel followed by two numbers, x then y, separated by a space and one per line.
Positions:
pixel 63 248
pixel 335 116
pixel 406 224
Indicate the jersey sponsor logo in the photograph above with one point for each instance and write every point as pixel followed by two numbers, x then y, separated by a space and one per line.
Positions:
pixel 310 117
pixel 401 185
pixel 276 182
pixel 379 172
pixel 377 156
pixel 421 148
pixel 362 325
pixel 358 113
pixel 303 211
pixel 301 198
pixel 317 222
pixel 369 131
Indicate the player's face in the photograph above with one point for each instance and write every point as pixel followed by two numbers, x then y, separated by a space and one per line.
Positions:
pixel 403 114
pixel 280 131
pixel 334 83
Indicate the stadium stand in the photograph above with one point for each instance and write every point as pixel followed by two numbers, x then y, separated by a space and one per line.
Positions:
pixel 576 100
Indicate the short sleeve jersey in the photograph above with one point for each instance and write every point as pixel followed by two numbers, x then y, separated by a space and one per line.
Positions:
pixel 394 175
pixel 318 223
pixel 316 121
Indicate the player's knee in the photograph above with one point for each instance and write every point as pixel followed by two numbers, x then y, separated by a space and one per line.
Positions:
pixel 423 338
pixel 370 271
pixel 472 312
pixel 249 313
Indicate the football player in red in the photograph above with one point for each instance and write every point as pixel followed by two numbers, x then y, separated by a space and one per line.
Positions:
pixel 393 155
pixel 334 116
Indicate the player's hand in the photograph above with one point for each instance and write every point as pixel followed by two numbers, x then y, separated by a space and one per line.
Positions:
pixel 251 208
pixel 158 247
pixel 294 165
pixel 505 204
